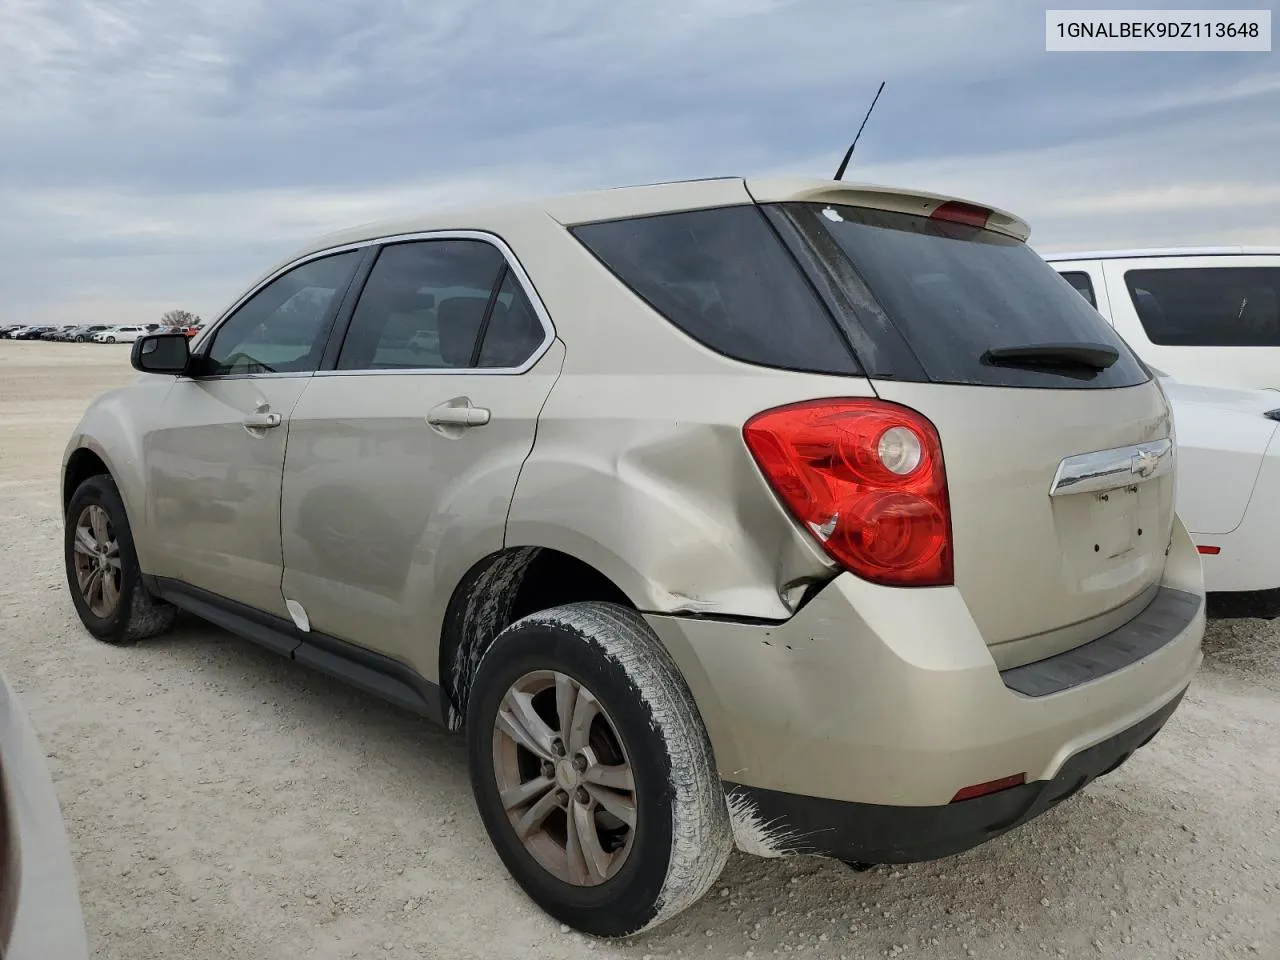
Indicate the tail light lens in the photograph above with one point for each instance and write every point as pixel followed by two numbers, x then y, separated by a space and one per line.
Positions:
pixel 866 478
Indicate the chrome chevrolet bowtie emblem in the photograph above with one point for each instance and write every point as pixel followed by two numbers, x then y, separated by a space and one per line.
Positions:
pixel 1144 463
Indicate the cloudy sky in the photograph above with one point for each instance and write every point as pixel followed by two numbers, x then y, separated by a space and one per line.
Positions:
pixel 159 153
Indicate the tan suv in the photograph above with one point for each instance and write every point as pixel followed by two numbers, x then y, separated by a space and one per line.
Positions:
pixel 816 517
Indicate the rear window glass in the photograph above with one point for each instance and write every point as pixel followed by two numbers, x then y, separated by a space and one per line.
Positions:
pixel 1082 284
pixel 954 292
pixel 723 277
pixel 1208 306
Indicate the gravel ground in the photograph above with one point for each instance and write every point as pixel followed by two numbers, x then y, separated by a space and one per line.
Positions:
pixel 223 803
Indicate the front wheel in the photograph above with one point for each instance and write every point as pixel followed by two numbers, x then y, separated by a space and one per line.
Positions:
pixel 593 772
pixel 102 568
pixel 111 339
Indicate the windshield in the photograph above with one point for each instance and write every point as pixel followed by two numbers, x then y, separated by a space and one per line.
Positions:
pixel 954 292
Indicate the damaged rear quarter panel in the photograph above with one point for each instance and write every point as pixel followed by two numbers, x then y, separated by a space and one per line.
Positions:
pixel 648 479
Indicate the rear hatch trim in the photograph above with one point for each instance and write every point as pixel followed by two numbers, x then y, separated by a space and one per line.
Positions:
pixel 1105 470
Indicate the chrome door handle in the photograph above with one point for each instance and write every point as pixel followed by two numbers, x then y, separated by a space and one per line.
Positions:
pixel 261 420
pixel 458 413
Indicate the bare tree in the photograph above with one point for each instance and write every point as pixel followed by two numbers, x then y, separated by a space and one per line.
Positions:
pixel 180 318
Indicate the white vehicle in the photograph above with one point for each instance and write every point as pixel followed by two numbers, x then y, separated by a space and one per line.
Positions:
pixel 1205 315
pixel 1228 487
pixel 121 334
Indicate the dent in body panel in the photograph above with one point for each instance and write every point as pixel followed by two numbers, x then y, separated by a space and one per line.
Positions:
pixel 648 480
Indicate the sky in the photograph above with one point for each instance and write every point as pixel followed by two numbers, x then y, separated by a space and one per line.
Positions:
pixel 162 153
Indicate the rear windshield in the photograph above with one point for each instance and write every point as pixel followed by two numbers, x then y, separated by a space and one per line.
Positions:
pixel 952 292
pixel 725 279
pixel 1208 306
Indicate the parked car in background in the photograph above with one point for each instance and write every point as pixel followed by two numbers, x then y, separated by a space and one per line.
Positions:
pixel 120 334
pixel 697 538
pixel 1207 315
pixel 40 913
pixel 31 333
pixel 8 329
pixel 1228 491
pixel 58 333
pixel 1228 488
pixel 88 332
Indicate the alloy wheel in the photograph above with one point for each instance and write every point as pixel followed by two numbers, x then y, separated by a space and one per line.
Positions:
pixel 564 778
pixel 97 558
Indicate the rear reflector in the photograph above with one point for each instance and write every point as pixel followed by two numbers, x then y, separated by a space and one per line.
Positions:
pixel 956 211
pixel 991 786
pixel 1211 551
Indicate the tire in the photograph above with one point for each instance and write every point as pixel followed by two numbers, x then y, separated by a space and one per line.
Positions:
pixel 681 837
pixel 111 339
pixel 134 614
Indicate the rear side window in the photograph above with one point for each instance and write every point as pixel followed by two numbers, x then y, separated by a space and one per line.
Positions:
pixel 1208 306
pixel 1082 284
pixel 723 277
pixel 953 292
pixel 423 306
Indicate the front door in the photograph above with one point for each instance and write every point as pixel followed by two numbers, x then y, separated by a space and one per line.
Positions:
pixel 402 462
pixel 214 464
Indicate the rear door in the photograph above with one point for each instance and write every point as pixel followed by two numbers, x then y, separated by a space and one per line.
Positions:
pixel 1213 319
pixel 1055 438
pixel 403 458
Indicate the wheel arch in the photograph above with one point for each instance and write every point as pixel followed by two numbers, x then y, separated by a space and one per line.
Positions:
pixel 499 590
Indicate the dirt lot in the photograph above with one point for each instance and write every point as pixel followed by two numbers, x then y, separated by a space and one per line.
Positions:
pixel 223 803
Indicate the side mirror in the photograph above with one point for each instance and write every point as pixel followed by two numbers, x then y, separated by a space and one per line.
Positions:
pixel 161 353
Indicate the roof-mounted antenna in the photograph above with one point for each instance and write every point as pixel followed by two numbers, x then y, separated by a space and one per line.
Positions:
pixel 849 153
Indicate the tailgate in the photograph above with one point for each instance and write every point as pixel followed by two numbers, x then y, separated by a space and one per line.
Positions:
pixel 1037 561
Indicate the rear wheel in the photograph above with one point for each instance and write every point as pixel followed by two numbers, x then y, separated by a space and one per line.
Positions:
pixel 593 772
pixel 102 568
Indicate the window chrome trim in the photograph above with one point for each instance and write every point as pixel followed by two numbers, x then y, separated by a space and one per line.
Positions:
pixel 512 261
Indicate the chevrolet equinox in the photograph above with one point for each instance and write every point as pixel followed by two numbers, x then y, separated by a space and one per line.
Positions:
pixel 800 516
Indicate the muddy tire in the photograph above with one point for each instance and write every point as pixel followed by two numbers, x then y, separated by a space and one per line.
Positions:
pixel 612 819
pixel 102 568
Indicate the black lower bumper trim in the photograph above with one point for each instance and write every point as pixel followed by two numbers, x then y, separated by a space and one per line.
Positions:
pixel 788 823
pixel 1243 604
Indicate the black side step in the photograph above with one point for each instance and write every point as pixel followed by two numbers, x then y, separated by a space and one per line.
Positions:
pixel 363 669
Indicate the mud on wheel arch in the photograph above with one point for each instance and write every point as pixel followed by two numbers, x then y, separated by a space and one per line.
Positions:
pixel 499 590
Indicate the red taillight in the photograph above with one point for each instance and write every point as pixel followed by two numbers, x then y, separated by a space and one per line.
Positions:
pixel 1211 551
pixel 957 211
pixel 990 787
pixel 866 478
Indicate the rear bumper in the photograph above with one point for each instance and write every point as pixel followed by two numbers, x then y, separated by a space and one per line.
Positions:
pixel 872 833
pixel 889 698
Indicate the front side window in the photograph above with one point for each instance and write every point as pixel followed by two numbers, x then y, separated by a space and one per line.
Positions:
pixel 424 306
pixel 282 327
pixel 1208 306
